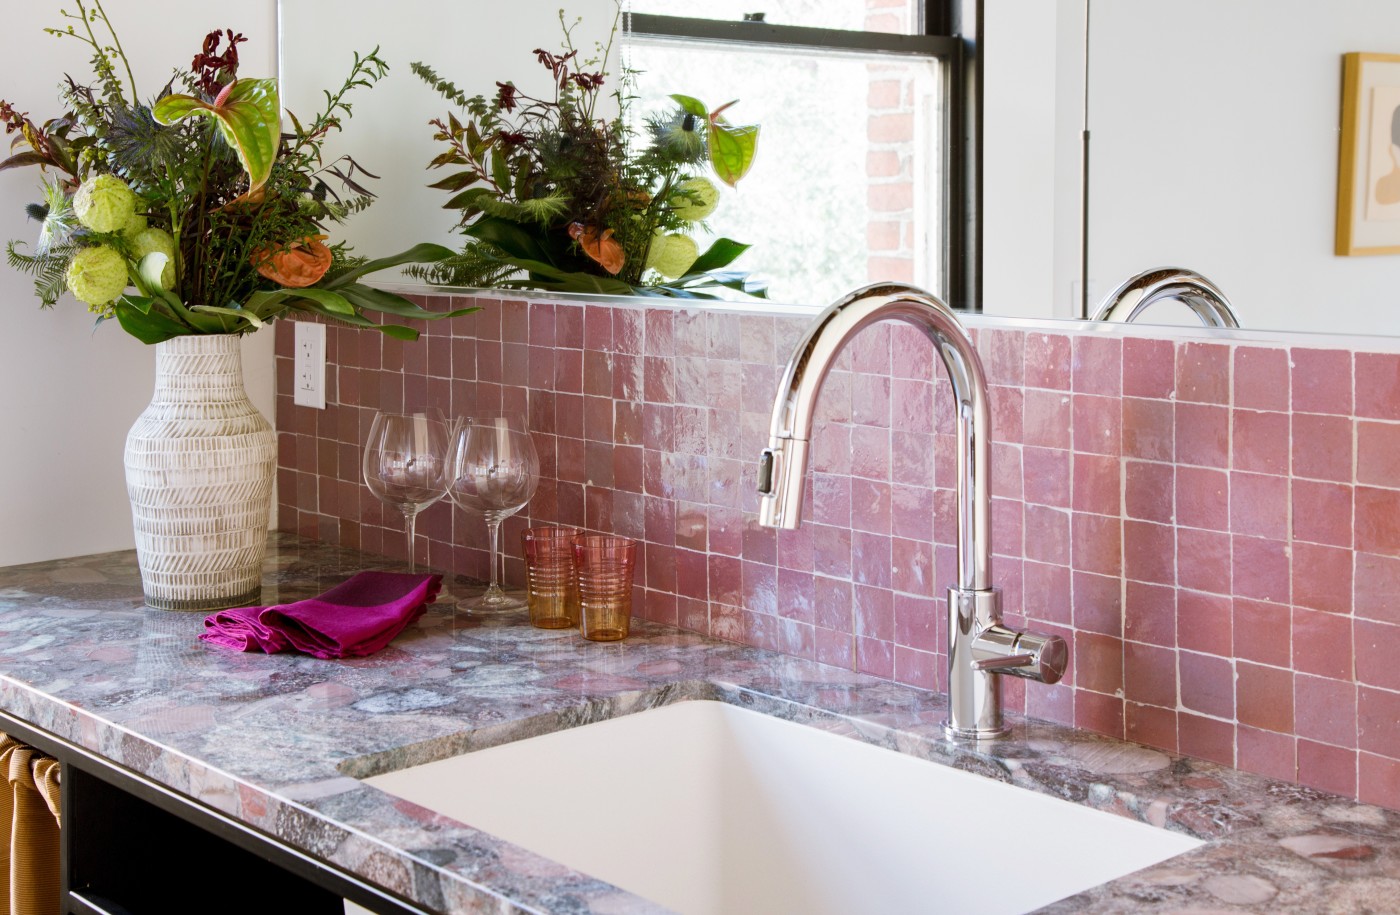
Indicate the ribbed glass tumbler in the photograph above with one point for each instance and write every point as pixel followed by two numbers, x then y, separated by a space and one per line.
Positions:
pixel 551 582
pixel 605 572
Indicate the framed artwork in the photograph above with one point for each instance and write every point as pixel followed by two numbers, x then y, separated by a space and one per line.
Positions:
pixel 1368 173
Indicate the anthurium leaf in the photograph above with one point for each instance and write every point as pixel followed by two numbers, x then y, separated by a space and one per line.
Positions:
pixel 557 280
pixel 241 313
pixel 511 237
pixel 731 150
pixel 425 253
pixel 691 106
pixel 332 302
pixel 367 297
pixel 721 253
pixel 249 117
pixel 267 303
pixel 148 325
pixel 397 331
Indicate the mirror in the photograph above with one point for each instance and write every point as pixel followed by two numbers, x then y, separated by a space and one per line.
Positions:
pixel 1213 144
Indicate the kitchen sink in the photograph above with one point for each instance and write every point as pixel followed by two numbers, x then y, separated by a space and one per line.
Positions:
pixel 708 808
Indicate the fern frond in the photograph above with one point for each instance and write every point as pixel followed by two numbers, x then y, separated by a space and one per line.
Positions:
pixel 444 88
pixel 49 269
pixel 478 265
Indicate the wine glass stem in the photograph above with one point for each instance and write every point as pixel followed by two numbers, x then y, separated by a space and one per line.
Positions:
pixel 410 525
pixel 493 536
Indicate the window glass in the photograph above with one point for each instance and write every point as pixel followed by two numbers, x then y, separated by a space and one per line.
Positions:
pixel 899 17
pixel 847 185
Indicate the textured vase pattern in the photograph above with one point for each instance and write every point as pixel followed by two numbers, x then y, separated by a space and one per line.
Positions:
pixel 200 462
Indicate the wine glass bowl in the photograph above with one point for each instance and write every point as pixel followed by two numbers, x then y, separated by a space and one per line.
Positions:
pixel 405 464
pixel 493 470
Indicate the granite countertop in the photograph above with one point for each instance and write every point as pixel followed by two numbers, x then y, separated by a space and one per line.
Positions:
pixel 279 741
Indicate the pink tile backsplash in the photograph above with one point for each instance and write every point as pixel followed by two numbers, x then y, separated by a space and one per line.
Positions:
pixel 1214 527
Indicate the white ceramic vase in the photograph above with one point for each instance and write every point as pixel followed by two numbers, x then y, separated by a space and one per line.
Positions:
pixel 200 463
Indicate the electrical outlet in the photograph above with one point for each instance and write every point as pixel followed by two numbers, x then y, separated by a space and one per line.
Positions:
pixel 309 365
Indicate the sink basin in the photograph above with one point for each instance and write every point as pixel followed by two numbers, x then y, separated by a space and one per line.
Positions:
pixel 707 808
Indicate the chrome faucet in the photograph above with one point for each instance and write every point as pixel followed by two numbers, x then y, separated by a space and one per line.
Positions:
pixel 1198 293
pixel 979 646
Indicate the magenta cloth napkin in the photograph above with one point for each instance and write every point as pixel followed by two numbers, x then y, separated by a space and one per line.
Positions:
pixel 355 618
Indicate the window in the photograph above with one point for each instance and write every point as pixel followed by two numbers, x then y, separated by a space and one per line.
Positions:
pixel 856 177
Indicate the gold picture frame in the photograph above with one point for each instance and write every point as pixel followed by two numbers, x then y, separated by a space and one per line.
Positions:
pixel 1368 171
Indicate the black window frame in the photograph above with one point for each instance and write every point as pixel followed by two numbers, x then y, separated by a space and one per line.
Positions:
pixel 947 31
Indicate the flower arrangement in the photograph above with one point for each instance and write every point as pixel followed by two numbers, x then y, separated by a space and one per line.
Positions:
pixel 554 196
pixel 195 213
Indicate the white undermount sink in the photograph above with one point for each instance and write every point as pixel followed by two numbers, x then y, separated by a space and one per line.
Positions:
pixel 707 808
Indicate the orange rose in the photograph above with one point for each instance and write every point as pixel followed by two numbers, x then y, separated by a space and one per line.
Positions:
pixel 299 264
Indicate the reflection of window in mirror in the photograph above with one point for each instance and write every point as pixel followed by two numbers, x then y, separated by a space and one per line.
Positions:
pixel 851 180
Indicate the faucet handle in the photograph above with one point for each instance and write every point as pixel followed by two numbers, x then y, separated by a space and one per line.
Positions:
pixel 1031 655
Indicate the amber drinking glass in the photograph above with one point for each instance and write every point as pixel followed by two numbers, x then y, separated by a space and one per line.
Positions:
pixel 605 571
pixel 551 582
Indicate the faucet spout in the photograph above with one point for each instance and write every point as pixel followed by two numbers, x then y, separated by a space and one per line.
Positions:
pixel 1204 298
pixel 979 647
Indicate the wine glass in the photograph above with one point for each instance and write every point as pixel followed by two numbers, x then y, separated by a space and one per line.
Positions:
pixel 494 471
pixel 405 464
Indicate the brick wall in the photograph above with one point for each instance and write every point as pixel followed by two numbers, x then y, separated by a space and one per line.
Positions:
pixel 1214 527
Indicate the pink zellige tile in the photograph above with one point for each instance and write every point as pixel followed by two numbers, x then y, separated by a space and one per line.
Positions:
pixel 1098 662
pixel 1207 684
pixel 1378 781
pixel 1202 435
pixel 1098 364
pixel 1259 505
pixel 1375 654
pixel 1148 493
pixel 1322 644
pixel 1206 738
pixel 1378 520
pixel 1150 725
pixel 1204 622
pixel 1378 454
pixel 1149 614
pixel 1203 373
pixel 1376 584
pixel 1149 368
pixel 1377 710
pixel 1260 568
pixel 1203 560
pixel 1261 378
pixel 1267 753
pixel 1149 552
pixel 1098 713
pixel 1149 674
pixel 1322 577
pixel 1149 429
pixel 1261 442
pixel 1203 498
pixel 1326 767
pixel 1322 447
pixel 1046 419
pixel 1322 512
pixel 1264 697
pixel 1047 363
pixel 1321 380
pixel 1098 424
pixel 1378 385
pixel 1325 710
pixel 1098 486
pixel 1263 632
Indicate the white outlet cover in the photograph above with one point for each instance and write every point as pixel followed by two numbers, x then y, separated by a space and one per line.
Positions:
pixel 309 365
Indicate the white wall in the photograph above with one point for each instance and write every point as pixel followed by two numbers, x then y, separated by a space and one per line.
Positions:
pixel 1215 129
pixel 67 394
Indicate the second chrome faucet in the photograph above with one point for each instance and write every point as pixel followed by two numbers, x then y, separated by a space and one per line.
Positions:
pixel 980 648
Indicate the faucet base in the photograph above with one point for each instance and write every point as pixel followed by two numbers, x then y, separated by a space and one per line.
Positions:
pixel 955 733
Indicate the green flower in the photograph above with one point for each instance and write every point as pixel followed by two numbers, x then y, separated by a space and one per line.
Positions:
pixel 97 275
pixel 672 255
pixel 156 241
pixel 695 199
pixel 104 203
pixel 134 225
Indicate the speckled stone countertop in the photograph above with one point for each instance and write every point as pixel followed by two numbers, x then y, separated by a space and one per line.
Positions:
pixel 279 741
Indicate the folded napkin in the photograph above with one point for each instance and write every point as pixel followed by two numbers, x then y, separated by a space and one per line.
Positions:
pixel 355 618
